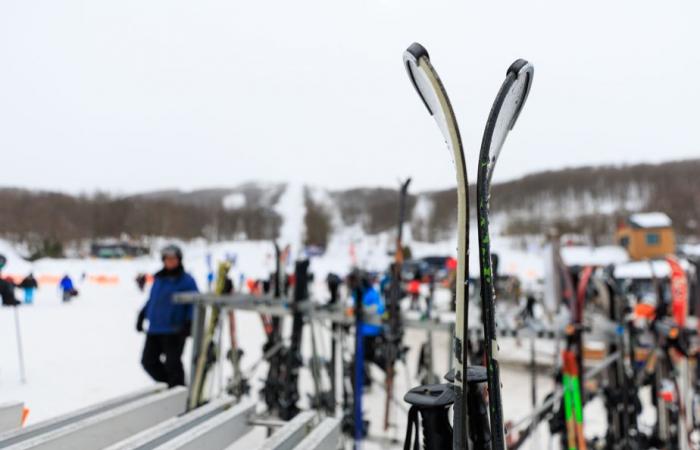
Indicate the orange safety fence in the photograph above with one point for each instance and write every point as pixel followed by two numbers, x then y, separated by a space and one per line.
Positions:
pixel 48 279
pixel 51 279
pixel 103 279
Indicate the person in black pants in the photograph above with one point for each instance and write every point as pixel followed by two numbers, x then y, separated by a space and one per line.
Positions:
pixel 7 287
pixel 168 323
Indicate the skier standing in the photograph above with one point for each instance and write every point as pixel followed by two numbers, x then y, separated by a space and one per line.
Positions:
pixel 7 288
pixel 168 323
pixel 29 285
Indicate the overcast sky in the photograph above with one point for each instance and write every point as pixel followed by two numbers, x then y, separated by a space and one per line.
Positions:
pixel 133 95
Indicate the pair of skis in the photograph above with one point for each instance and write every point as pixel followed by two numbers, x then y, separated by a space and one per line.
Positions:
pixel 504 113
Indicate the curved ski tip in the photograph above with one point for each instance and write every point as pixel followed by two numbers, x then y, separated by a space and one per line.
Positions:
pixel 411 58
pixel 518 66
pixel 518 69
pixel 416 51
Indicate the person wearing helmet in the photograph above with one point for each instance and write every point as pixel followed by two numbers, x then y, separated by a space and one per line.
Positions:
pixel 7 287
pixel 168 322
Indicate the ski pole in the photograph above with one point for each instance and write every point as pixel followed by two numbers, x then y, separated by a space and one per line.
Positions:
pixel 359 363
pixel 20 352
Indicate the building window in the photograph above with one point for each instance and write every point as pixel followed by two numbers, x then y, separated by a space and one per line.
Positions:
pixel 625 241
pixel 653 239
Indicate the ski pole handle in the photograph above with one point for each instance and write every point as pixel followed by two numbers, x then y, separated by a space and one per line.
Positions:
pixel 432 402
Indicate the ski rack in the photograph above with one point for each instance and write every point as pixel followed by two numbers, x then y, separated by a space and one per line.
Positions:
pixel 103 424
pixel 283 307
pixel 10 416
pixel 546 410
pixel 155 419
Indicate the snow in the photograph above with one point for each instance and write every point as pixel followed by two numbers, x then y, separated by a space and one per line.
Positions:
pixel 572 204
pixel 291 207
pixel 15 266
pixel 650 220
pixel 235 200
pixel 643 269
pixel 691 249
pixel 594 256
pixel 422 212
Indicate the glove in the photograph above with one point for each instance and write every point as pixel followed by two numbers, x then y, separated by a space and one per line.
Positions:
pixel 140 319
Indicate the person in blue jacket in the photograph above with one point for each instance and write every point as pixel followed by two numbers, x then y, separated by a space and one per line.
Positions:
pixel 168 323
pixel 67 288
pixel 373 306
pixel 372 333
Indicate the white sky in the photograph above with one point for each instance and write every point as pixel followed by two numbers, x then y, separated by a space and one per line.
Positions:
pixel 132 95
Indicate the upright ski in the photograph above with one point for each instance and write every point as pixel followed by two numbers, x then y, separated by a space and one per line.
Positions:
pixel 291 356
pixel 430 89
pixel 273 346
pixel 504 113
pixel 395 335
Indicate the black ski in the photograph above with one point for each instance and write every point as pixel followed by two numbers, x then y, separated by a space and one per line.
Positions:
pixel 291 357
pixel 394 337
pixel 504 114
pixel 272 324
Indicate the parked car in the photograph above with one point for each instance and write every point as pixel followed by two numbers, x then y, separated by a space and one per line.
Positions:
pixel 413 267
pixel 437 266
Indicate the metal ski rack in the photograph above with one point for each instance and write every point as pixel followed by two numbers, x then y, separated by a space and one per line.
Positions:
pixel 282 307
pixel 155 419
pixel 103 424
pixel 10 416
pixel 173 427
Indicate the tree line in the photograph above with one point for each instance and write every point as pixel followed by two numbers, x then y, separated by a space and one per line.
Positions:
pixel 584 200
pixel 48 221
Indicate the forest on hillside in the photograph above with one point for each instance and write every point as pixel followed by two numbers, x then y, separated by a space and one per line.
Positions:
pixel 47 222
pixel 585 200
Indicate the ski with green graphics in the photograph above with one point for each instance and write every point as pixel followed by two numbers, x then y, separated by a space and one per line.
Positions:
pixel 504 113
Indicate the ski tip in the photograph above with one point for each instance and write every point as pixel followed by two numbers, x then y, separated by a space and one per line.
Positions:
pixel 521 71
pixel 416 51
pixel 411 61
pixel 519 66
